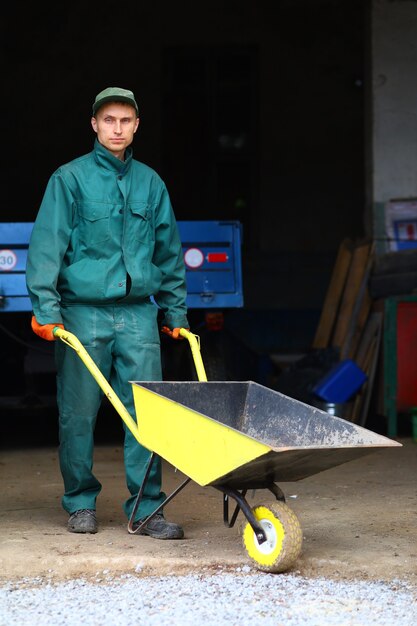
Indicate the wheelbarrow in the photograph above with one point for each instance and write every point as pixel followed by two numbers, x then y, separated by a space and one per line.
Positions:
pixel 235 437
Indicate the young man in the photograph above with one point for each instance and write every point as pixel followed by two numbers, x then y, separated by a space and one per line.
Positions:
pixel 104 241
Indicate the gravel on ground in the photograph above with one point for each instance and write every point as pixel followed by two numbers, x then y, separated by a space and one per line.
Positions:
pixel 239 597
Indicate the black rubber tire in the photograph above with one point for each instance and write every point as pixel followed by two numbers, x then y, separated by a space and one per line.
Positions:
pixel 385 285
pixel 403 261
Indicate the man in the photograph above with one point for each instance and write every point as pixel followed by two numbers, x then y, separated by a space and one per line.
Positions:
pixel 104 241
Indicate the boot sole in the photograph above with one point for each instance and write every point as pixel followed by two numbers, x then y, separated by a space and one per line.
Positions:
pixel 92 530
pixel 162 535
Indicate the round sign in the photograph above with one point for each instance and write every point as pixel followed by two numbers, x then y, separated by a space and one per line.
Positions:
pixel 8 260
pixel 193 258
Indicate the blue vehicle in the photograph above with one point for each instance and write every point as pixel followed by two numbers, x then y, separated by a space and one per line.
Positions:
pixel 212 255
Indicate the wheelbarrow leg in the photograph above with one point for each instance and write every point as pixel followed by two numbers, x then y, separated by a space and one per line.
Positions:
pixel 243 505
pixel 232 521
pixel 140 494
pixel 273 488
pixel 277 491
pixel 130 528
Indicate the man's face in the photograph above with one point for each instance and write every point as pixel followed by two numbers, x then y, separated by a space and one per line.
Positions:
pixel 115 124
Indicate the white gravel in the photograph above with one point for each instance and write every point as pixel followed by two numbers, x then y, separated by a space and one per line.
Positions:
pixel 241 598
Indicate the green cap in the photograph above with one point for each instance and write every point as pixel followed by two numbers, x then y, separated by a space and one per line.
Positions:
pixel 115 94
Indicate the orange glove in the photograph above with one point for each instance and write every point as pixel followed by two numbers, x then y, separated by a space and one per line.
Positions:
pixel 174 333
pixel 46 331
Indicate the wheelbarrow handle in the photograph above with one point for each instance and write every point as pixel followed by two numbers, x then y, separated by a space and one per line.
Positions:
pixel 194 341
pixel 73 342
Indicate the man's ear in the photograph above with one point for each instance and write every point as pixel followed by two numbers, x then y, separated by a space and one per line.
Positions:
pixel 137 124
pixel 94 124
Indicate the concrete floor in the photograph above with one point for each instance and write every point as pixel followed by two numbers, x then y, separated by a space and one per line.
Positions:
pixel 359 520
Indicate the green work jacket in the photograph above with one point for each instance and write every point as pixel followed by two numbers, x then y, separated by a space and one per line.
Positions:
pixel 105 233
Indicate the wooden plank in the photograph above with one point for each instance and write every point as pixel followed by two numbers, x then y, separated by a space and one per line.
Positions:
pixel 371 330
pixel 390 364
pixel 352 340
pixel 333 295
pixel 367 359
pixel 354 280
pixel 360 313
pixel 371 376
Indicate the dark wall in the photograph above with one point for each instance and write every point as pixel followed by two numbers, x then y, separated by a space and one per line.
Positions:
pixel 297 183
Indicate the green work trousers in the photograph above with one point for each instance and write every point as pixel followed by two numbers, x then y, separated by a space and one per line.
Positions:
pixel 123 341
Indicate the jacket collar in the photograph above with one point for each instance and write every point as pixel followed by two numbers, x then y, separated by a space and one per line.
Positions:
pixel 105 159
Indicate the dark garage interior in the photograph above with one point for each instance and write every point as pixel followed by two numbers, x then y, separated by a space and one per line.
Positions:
pixel 253 112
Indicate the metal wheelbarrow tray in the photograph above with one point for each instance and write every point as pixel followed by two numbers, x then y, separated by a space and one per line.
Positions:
pixel 236 436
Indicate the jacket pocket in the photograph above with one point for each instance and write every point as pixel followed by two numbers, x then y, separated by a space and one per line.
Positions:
pixel 94 222
pixel 141 218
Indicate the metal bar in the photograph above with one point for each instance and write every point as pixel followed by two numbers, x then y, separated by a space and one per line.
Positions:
pixel 132 530
pixel 226 510
pixel 73 342
pixel 140 494
pixel 194 342
pixel 277 491
pixel 246 509
pixel 232 521
pixel 235 512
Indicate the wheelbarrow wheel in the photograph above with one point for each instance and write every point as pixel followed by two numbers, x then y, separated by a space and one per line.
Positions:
pixel 284 538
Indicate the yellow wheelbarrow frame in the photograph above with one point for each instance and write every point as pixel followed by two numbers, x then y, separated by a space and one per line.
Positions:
pixel 259 532
pixel 73 342
pixel 236 456
pixel 244 448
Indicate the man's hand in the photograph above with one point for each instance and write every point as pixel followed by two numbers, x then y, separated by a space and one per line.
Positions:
pixel 174 333
pixel 46 331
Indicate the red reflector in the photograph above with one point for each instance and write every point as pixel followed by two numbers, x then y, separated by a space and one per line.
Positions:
pixel 214 321
pixel 217 257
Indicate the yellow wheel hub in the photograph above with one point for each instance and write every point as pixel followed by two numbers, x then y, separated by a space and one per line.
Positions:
pixel 283 538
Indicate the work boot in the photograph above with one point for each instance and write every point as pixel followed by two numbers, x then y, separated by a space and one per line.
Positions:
pixel 83 521
pixel 159 528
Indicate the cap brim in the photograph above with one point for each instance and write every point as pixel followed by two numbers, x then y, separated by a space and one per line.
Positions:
pixel 100 103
